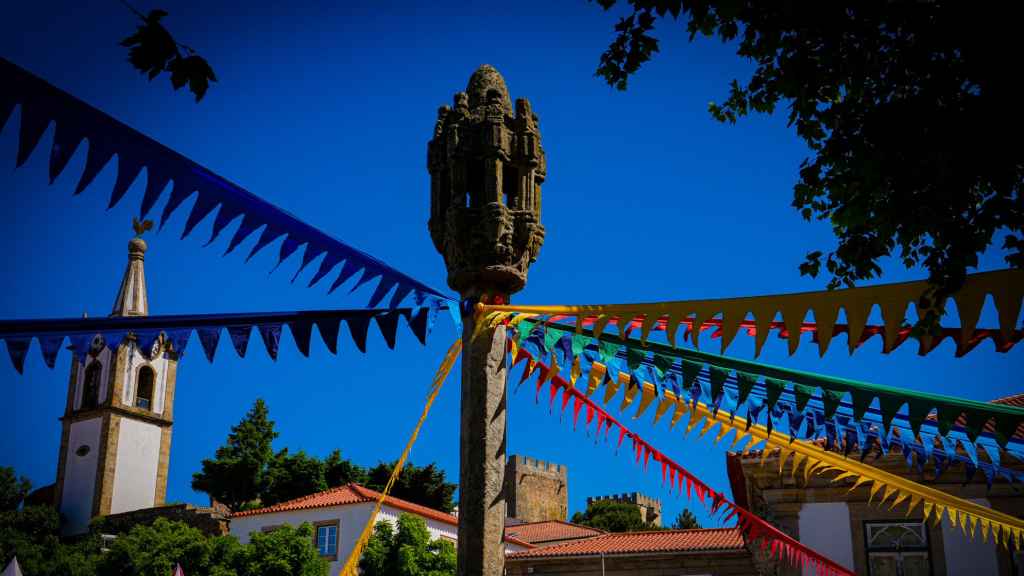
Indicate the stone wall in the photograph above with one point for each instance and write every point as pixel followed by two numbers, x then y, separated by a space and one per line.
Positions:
pixel 650 508
pixel 536 490
pixel 208 520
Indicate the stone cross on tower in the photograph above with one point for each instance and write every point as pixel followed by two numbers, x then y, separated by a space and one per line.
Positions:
pixel 486 167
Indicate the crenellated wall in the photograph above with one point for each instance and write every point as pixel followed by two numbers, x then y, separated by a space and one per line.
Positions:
pixel 536 490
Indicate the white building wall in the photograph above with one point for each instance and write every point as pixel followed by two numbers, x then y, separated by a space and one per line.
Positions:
pixel 138 458
pixel 825 527
pixel 80 475
pixel 351 519
pixel 966 556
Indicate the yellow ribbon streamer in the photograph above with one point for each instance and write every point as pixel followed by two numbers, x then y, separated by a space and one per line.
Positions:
pixel 963 514
pixel 352 563
pixel 1005 286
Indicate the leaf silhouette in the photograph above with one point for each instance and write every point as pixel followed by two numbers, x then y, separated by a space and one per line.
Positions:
pixel 153 50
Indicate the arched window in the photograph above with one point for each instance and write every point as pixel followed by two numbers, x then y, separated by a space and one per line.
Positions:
pixel 144 388
pixel 91 387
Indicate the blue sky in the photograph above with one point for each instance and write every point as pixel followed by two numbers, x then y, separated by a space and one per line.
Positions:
pixel 325 110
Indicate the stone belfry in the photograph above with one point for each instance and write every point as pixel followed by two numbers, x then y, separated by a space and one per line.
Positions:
pixel 486 168
pixel 116 429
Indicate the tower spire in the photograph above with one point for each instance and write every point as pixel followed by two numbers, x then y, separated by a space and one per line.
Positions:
pixel 132 299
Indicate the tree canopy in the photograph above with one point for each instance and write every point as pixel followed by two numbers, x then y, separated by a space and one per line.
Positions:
pixel 246 472
pixel 33 535
pixel 239 473
pixel 907 108
pixel 407 552
pixel 612 516
pixel 13 488
pixel 685 520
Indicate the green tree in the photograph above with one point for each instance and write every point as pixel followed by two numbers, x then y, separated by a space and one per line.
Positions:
pixel 238 474
pixel 154 550
pixel 339 471
pixel 285 551
pixel 291 476
pixel 426 485
pixel 407 552
pixel 611 516
pixel 32 534
pixel 686 520
pixel 13 489
pixel 905 106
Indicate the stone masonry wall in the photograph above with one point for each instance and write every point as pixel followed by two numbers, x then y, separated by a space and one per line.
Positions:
pixel 536 490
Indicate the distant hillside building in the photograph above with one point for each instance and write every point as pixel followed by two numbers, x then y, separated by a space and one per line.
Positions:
pixel 650 508
pixel 536 490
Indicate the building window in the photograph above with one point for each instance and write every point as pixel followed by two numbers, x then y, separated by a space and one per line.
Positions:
pixel 327 539
pixel 897 548
pixel 144 388
pixel 91 387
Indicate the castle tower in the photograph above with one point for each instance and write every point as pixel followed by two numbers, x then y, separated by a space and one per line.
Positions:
pixel 116 438
pixel 536 490
pixel 650 508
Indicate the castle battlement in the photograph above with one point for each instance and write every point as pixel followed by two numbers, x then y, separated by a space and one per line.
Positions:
pixel 650 508
pixel 536 490
pixel 526 464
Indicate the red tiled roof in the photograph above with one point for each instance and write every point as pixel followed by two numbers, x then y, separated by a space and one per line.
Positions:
pixel 550 531
pixel 350 494
pixel 698 540
pixel 356 494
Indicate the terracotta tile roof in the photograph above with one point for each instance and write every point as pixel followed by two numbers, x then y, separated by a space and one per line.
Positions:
pixel 356 494
pixel 1015 400
pixel 699 540
pixel 550 531
pixel 350 494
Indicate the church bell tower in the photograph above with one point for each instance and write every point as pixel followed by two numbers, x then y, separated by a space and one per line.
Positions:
pixel 116 429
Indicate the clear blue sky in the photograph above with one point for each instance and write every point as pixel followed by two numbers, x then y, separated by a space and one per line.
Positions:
pixel 325 110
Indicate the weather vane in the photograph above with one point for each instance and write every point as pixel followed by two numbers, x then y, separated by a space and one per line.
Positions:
pixel 141 227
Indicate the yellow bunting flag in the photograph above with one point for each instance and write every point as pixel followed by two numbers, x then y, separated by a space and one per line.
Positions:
pixel 962 514
pixel 1005 286
pixel 351 565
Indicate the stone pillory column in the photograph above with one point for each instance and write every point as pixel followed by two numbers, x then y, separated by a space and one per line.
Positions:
pixel 486 167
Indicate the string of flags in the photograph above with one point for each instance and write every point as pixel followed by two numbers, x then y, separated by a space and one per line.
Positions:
pixel 679 368
pixel 42 104
pixel 754 528
pixel 1006 287
pixel 970 518
pixel 93 334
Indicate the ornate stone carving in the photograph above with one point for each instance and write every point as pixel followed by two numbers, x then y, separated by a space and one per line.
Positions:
pixel 486 168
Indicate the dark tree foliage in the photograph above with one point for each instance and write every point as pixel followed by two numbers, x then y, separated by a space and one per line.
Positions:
pixel 686 520
pixel 407 552
pixel 612 516
pixel 13 489
pixel 239 473
pixel 908 108
pixel 424 485
pixel 291 476
pixel 153 50
pixel 246 473
pixel 32 534
pixel 339 471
